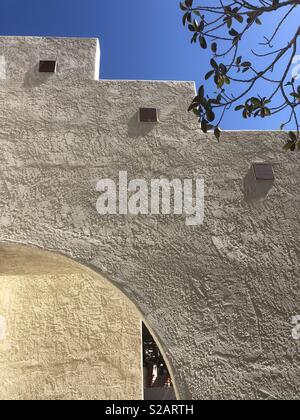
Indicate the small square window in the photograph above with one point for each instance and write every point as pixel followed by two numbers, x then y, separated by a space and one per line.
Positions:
pixel 47 66
pixel 148 115
pixel 263 171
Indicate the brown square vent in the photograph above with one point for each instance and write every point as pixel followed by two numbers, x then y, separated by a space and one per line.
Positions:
pixel 148 115
pixel 263 171
pixel 47 66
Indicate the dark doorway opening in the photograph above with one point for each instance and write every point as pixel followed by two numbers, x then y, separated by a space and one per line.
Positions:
pixel 157 379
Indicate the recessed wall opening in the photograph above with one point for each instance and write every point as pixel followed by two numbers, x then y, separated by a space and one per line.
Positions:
pixel 148 115
pixel 158 384
pixel 47 66
pixel 263 171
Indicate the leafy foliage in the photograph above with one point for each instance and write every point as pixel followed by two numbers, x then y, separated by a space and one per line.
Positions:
pixel 222 28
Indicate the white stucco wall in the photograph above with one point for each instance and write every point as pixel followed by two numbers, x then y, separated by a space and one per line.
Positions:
pixel 20 56
pixel 220 296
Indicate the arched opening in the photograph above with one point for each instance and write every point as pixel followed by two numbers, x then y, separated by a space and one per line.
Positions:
pixel 158 383
pixel 65 331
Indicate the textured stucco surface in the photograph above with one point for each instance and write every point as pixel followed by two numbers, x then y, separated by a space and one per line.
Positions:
pixel 76 58
pixel 69 334
pixel 220 296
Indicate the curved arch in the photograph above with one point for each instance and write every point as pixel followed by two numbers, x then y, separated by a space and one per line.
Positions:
pixel 35 260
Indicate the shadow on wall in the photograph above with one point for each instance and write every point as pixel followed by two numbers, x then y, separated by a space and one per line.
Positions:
pixel 137 129
pixel 256 190
pixel 83 311
pixel 67 332
pixel 33 78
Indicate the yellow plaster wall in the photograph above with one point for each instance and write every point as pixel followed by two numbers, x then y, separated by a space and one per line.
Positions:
pixel 66 333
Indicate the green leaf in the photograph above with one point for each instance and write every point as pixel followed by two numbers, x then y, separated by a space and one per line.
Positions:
pixel 223 68
pixel 256 102
pixel 292 136
pixel 201 26
pixel 214 47
pixel 246 64
pixel 265 112
pixel 182 6
pixel 209 74
pixel 214 64
pixel 239 18
pixel 239 60
pixel 239 107
pixel 193 106
pixel 229 22
pixel 210 115
pixel 227 80
pixel 196 24
pixel 204 103
pixel 189 3
pixel 201 91
pixel 217 133
pixel 194 38
pixel 235 40
pixel 233 32
pixel 221 81
pixel 184 19
pixel 203 42
pixel 204 126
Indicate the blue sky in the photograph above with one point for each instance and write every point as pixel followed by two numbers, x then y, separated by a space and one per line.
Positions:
pixel 140 39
